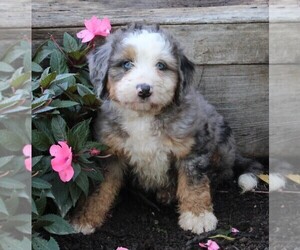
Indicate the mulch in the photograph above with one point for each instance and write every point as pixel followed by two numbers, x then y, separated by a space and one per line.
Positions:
pixel 137 222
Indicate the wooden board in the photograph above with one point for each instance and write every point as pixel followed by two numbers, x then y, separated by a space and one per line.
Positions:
pixel 284 111
pixel 241 94
pixel 284 43
pixel 205 44
pixel 72 14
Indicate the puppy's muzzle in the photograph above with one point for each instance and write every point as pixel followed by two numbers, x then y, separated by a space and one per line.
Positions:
pixel 144 90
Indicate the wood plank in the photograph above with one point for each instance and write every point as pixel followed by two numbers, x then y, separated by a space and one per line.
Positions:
pixel 157 4
pixel 284 111
pixel 72 14
pixel 15 14
pixel 284 43
pixel 206 44
pixel 284 13
pixel 240 93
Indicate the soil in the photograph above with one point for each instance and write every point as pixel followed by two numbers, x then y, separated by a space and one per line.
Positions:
pixel 137 222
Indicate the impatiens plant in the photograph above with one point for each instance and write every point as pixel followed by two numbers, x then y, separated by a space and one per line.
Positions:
pixel 66 159
pixel 15 133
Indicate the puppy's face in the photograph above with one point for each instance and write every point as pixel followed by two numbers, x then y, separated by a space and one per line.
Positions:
pixel 143 72
pixel 140 68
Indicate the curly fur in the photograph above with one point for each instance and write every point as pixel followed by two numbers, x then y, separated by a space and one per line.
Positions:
pixel 173 130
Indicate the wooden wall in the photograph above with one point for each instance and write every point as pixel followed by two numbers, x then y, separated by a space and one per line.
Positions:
pixel 229 45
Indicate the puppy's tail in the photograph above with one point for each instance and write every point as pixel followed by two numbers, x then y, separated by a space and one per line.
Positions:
pixel 247 170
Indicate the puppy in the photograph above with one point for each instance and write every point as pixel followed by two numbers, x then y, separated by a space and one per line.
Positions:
pixel 159 129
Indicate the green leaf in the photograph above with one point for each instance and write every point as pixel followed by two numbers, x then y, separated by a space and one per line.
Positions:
pixel 10 140
pixel 59 225
pixel 19 81
pixel 83 182
pixel 10 183
pixel 40 140
pixel 12 203
pixel 6 159
pixel 90 100
pixel 46 81
pixel 44 126
pixel 3 208
pixel 33 207
pixel 75 193
pixel 5 67
pixel 77 170
pixel 60 191
pixel 41 244
pixel 41 204
pixel 84 90
pixel 63 104
pixel 36 67
pixel 70 43
pixel 59 126
pixel 94 173
pixel 58 62
pixel 13 54
pixel 7 243
pixel 221 236
pixel 78 135
pixel 40 183
pixel 41 55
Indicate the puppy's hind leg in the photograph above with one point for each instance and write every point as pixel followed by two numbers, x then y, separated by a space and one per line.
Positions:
pixel 195 203
pixel 94 211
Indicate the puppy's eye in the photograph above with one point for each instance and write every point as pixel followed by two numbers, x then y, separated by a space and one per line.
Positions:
pixel 127 65
pixel 161 66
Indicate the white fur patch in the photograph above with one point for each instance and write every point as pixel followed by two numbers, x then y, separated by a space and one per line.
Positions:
pixel 85 229
pixel 198 224
pixel 150 48
pixel 148 156
pixel 247 182
pixel 276 182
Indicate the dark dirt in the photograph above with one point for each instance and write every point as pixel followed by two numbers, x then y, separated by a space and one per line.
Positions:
pixel 137 224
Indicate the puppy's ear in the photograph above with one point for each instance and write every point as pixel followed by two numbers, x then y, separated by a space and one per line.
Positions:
pixel 186 75
pixel 98 61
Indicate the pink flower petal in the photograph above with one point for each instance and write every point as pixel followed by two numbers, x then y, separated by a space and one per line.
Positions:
pixel 28 164
pixel 85 35
pixel 92 24
pixel 202 245
pixel 212 245
pixel 104 28
pixel 62 156
pixel 66 174
pixel 234 230
pixel 122 248
pixel 59 164
pixel 27 150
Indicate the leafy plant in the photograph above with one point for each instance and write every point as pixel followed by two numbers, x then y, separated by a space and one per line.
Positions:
pixel 15 132
pixel 63 105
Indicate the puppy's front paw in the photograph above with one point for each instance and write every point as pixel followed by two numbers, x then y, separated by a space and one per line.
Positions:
pixel 198 224
pixel 84 228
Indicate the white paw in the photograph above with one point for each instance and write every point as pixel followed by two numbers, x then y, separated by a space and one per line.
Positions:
pixel 85 229
pixel 276 182
pixel 198 224
pixel 247 182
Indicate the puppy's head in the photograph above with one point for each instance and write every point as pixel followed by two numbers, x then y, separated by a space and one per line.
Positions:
pixel 141 68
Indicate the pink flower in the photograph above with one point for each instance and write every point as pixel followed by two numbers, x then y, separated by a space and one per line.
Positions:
pixel 94 152
pixel 27 153
pixel 210 245
pixel 234 230
pixel 122 248
pixel 94 27
pixel 62 160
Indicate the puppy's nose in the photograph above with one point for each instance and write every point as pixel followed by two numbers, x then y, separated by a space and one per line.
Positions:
pixel 144 90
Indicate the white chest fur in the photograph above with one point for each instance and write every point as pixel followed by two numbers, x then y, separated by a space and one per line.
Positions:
pixel 149 157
